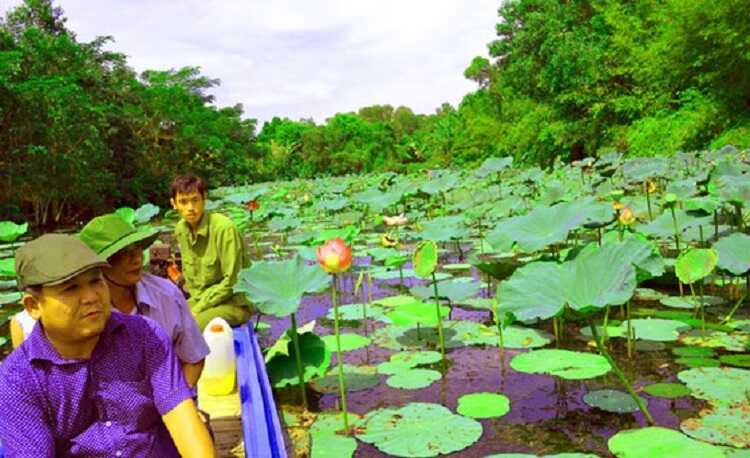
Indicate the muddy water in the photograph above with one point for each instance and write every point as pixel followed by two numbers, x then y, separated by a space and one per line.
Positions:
pixel 547 414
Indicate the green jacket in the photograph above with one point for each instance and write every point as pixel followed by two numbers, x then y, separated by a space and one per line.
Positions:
pixel 211 261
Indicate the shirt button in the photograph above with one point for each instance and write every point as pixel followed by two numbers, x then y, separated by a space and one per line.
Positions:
pixel 107 424
pixel 118 453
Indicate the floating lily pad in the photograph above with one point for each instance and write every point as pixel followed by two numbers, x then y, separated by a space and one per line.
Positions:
pixel 392 368
pixel 483 405
pixel 457 267
pixel 471 333
pixel 405 338
pixel 656 441
pixel 395 301
pixel 416 358
pixel 354 312
pixel 719 386
pixel 611 401
pixel 558 455
pixel 612 331
pixel 677 302
pixel 716 339
pixel 724 425
pixel 356 378
pixel 417 313
pixel 392 274
pixel 667 390
pixel 648 345
pixel 349 342
pixel 325 440
pixel 7 267
pixel 647 294
pixel 455 290
pixel 10 298
pixel 418 430
pixel 413 379
pixel 698 362
pixel 736 360
pixel 566 364
pixel 699 352
pixel 657 329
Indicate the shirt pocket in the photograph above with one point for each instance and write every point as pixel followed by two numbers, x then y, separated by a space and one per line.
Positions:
pixel 129 402
pixel 210 268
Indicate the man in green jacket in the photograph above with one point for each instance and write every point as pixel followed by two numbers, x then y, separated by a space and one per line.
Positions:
pixel 213 254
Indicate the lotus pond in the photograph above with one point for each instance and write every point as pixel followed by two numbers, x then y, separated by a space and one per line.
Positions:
pixel 593 309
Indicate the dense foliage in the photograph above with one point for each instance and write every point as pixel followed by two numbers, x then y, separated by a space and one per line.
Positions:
pixel 80 131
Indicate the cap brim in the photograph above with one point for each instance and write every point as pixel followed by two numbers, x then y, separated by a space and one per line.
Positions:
pixel 82 269
pixel 147 236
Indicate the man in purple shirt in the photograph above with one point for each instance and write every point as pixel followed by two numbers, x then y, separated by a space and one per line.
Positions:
pixel 89 382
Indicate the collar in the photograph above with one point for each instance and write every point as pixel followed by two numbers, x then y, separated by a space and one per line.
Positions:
pixel 202 230
pixel 38 347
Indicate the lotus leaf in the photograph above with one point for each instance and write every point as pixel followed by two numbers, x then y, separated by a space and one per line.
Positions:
pixel 403 338
pixel 724 425
pixel 425 258
pixel 667 390
pixel 452 267
pixel 657 441
pixel 355 312
pixel 413 379
pixel 533 291
pixel 10 231
pixel 719 386
pixel 418 430
pixel 641 169
pixel 557 455
pixel 376 199
pixel 657 329
pixel 145 213
pixel 349 342
pixel 391 274
pixel 326 443
pixel 647 294
pixel 393 367
pixel 416 313
pixel 693 352
pixel 736 360
pixel 471 333
pixel 7 267
pixel 698 362
pixel 416 358
pixel 612 331
pixel 678 302
pixel 395 301
pixel 10 298
pixel 334 204
pixel 715 339
pixel 566 364
pixel 734 253
pixel 356 378
pixel 695 264
pixel 483 405
pixel 267 284
pixel 282 369
pixel 126 213
pixel 444 229
pixel 612 401
pixel 493 165
pixel 281 346
pixel 455 290
pixel 734 189
pixel 439 184
pixel 347 234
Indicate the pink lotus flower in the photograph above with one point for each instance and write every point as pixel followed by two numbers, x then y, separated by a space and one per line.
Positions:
pixel 335 256
pixel 399 220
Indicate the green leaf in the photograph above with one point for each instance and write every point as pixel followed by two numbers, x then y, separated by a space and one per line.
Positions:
pixel 277 287
pixel 145 213
pixel 416 313
pixel 455 290
pixel 425 258
pixel 483 405
pixel 736 360
pixel 126 213
pixel 356 378
pixel 693 352
pixel 715 339
pixel 413 379
pixel 600 277
pixel 724 425
pixel 667 390
pixel 734 253
pixel 612 401
pixel 695 264
pixel 656 441
pixel 7 267
pixel 349 342
pixel 10 298
pixel 416 358
pixel 282 369
pixel 533 291
pixel 354 312
pixel 326 443
pixel 10 231
pixel 418 430
pixel 719 386
pixel 656 329
pixel 566 364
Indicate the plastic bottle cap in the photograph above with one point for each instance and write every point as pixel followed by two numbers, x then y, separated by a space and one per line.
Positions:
pixel 217 328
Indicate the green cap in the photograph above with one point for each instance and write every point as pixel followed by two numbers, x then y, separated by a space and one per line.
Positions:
pixel 52 259
pixel 108 234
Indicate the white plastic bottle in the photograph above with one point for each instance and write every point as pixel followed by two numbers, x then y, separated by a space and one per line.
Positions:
pixel 220 369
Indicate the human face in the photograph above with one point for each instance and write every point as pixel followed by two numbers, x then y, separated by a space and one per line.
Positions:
pixel 190 206
pixel 126 265
pixel 72 313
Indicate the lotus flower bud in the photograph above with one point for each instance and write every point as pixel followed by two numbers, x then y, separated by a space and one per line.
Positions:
pixel 335 256
pixel 399 220
pixel 617 205
pixel 626 216
pixel 252 205
pixel 650 187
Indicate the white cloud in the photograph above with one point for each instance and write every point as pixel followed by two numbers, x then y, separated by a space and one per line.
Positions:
pixel 302 59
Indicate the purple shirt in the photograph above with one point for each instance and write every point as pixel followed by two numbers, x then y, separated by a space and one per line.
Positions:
pixel 108 405
pixel 160 300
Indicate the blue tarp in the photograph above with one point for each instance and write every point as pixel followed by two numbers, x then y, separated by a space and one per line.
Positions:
pixel 260 421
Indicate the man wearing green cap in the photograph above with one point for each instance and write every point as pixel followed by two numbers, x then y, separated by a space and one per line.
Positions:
pixel 213 254
pixel 88 382
pixel 136 292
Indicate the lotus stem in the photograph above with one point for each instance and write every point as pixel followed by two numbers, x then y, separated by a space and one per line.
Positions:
pixel 605 332
pixel 699 307
pixel 629 330
pixel 339 355
pixel 499 331
pixel 401 275
pixel 439 317
pixel 738 215
pixel 556 330
pixel 676 229
pixel 648 203
pixel 298 360
pixel 700 234
pixel 716 224
pixel 737 304
pixel 621 375
pixel 599 236
pixel 367 302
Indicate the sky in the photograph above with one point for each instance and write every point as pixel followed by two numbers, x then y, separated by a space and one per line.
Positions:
pixel 301 59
